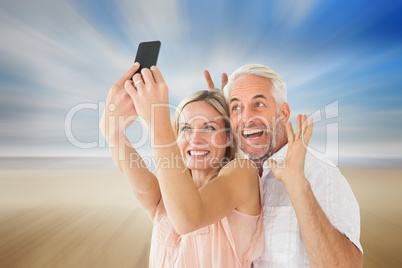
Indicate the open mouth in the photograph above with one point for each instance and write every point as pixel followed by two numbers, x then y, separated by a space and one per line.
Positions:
pixel 252 134
pixel 197 152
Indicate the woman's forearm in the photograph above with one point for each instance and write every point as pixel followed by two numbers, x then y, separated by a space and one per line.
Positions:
pixel 131 164
pixel 126 157
pixel 180 195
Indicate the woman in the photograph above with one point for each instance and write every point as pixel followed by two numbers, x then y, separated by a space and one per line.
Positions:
pixel 204 215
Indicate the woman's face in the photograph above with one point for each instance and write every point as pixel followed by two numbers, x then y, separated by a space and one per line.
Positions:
pixel 202 137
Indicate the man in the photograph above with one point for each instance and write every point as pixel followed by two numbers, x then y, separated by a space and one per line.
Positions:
pixel 311 220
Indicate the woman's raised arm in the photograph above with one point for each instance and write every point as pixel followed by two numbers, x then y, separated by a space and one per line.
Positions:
pixel 119 113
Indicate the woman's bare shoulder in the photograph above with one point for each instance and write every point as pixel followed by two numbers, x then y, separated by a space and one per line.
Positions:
pixel 240 163
pixel 239 166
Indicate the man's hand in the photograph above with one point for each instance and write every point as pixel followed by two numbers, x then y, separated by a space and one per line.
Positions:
pixel 210 83
pixel 324 244
pixel 291 169
pixel 119 110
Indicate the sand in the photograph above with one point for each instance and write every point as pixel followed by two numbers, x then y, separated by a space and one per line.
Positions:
pixel 81 213
pixel 379 193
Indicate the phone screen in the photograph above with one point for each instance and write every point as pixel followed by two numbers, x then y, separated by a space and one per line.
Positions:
pixel 147 54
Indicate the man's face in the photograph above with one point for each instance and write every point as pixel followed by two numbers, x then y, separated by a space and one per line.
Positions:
pixel 254 116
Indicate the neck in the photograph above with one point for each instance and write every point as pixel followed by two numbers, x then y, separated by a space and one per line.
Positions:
pixel 201 177
pixel 260 161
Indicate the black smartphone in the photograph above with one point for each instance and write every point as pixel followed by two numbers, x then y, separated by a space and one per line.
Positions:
pixel 147 54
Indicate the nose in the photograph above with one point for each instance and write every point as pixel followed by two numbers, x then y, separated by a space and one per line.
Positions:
pixel 196 137
pixel 246 116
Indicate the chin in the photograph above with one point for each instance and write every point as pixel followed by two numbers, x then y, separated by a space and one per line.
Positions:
pixel 254 157
pixel 255 154
pixel 197 166
pixel 207 164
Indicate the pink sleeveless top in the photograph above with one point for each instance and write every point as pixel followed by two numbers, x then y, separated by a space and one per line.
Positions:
pixel 234 241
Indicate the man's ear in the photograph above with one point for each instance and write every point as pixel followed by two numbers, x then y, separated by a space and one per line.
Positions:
pixel 284 113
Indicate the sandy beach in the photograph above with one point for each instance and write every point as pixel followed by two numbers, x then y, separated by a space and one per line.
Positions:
pixel 81 213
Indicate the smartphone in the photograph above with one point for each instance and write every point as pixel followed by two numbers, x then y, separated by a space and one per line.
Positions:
pixel 147 54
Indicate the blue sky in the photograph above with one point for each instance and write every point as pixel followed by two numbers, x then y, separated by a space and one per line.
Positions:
pixel 343 55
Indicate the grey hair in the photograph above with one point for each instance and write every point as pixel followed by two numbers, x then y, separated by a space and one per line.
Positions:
pixel 279 86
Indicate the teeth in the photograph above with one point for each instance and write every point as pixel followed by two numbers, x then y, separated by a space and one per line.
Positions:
pixel 198 152
pixel 249 132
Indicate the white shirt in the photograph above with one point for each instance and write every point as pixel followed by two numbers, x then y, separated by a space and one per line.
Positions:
pixel 283 242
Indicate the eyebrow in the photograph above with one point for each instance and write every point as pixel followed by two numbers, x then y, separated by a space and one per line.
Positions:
pixel 259 96
pixel 234 99
pixel 211 122
pixel 205 123
pixel 255 97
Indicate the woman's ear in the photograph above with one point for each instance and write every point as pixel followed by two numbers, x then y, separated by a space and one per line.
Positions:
pixel 229 138
pixel 284 113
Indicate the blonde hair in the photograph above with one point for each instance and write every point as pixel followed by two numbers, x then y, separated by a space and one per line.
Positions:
pixel 216 99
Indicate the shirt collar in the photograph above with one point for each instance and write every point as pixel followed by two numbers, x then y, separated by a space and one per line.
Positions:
pixel 279 156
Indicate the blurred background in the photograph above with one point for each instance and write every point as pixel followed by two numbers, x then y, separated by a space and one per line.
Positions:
pixel 63 202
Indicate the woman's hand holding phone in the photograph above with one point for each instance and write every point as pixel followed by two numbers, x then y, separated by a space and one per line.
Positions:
pixel 150 95
pixel 119 104
pixel 120 111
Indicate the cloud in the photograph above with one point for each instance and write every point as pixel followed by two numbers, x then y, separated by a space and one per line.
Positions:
pixel 293 13
pixel 153 20
pixel 58 54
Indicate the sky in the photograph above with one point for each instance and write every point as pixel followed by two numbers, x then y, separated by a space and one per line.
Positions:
pixel 341 60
